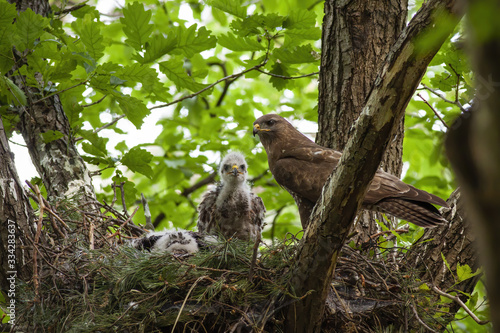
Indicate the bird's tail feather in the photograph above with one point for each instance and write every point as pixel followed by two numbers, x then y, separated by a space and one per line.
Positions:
pixel 420 213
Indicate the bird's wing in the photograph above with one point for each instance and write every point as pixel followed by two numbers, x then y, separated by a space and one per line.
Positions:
pixel 258 210
pixel 314 153
pixel 206 210
pixel 384 185
pixel 303 177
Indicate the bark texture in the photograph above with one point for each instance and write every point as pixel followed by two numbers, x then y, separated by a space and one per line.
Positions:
pixel 58 162
pixel 357 36
pixel 16 218
pixel 335 210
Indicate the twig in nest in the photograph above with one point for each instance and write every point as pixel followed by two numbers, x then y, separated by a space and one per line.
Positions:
pixel 185 300
pixel 420 320
pixel 117 232
pixel 123 199
pixel 400 231
pixel 462 304
pixel 254 258
pixel 346 308
pixel 46 205
pixel 91 233
pixel 36 281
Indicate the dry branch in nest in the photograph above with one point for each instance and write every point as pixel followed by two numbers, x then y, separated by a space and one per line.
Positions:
pixel 89 280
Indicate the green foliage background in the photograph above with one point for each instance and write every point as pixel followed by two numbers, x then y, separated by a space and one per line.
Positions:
pixel 113 70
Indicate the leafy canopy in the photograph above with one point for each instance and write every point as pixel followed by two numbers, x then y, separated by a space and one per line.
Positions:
pixel 205 71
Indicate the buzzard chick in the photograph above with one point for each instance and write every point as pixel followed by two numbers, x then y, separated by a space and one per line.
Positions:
pixel 302 168
pixel 230 208
pixel 177 242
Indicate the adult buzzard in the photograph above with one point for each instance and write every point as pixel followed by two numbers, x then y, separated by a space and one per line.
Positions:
pixel 231 208
pixel 302 168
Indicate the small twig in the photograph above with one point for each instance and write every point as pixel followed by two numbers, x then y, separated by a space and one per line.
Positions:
pixel 129 219
pixel 36 281
pixel 433 110
pixel 185 300
pixel 346 308
pixel 60 91
pixel 96 102
pixel 420 320
pixel 97 130
pixel 228 77
pixel 91 233
pixel 400 231
pixel 123 199
pixel 435 92
pixel 287 77
pixel 207 180
pixel 254 258
pixel 458 81
pixel 147 213
pixel 69 10
pixel 462 304
pixel 226 84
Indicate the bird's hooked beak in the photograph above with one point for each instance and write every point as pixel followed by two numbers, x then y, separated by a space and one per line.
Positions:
pixel 235 171
pixel 257 129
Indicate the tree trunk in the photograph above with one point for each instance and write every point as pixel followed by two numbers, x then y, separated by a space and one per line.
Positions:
pixel 357 36
pixel 332 217
pixel 16 218
pixel 473 148
pixel 58 162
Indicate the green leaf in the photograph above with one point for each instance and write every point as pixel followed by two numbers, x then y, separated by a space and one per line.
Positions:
pixel 90 34
pixel 157 46
pixel 248 26
pixel 136 25
pixel 231 42
pixel 175 71
pixel 137 160
pixel 51 135
pixel 14 95
pixel 234 7
pixel 273 21
pixel 297 55
pixel 97 145
pixel 29 27
pixel 191 43
pixel 300 19
pixel 295 37
pixel 446 262
pixel 134 109
pixel 8 13
pixel 277 82
pixel 465 272
pixel 138 73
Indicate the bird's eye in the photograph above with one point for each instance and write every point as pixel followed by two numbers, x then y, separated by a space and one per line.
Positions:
pixel 226 167
pixel 242 167
pixel 271 122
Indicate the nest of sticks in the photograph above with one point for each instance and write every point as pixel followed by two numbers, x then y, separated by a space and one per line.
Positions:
pixel 87 279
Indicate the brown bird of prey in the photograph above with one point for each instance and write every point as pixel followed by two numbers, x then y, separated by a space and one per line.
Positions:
pixel 302 168
pixel 231 208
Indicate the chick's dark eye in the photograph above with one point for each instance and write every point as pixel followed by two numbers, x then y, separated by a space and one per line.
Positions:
pixel 242 167
pixel 271 122
pixel 225 167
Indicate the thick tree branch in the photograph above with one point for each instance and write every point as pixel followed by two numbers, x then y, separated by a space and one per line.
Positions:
pixel 334 213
